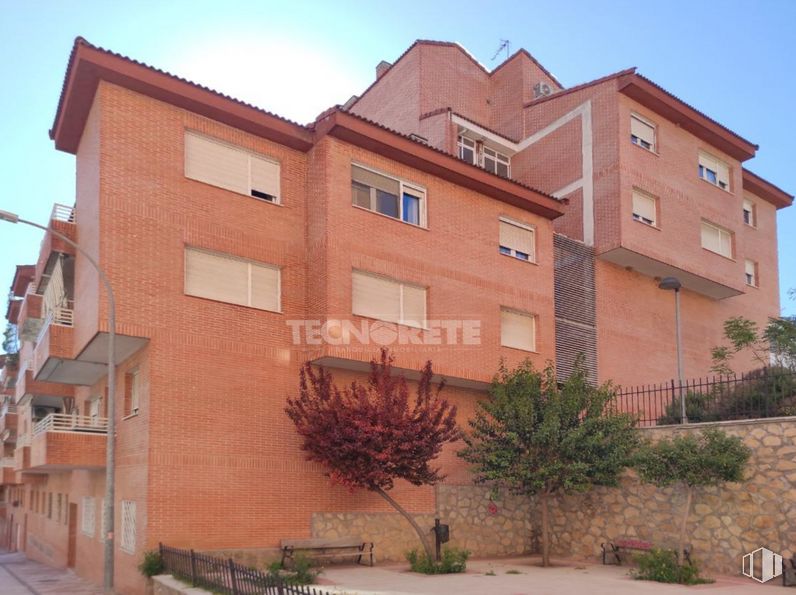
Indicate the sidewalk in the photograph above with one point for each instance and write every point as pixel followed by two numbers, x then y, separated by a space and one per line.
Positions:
pixel 20 576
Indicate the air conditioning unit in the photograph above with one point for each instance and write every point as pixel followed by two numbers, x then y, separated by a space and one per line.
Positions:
pixel 541 90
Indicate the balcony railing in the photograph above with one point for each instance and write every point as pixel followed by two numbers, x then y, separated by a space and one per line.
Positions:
pixel 64 422
pixel 63 213
pixel 7 462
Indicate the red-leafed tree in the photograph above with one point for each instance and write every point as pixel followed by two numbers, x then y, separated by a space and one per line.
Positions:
pixel 369 434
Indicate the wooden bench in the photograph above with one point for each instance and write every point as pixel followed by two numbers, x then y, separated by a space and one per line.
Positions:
pixel 614 550
pixel 341 547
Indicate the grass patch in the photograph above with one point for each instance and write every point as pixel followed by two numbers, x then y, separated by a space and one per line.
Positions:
pixel 454 560
pixel 662 566
pixel 302 572
pixel 513 572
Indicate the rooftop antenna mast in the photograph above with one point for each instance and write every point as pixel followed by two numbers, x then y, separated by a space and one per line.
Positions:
pixel 505 44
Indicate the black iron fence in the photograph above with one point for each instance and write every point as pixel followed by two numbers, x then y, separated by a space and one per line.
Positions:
pixel 768 392
pixel 226 576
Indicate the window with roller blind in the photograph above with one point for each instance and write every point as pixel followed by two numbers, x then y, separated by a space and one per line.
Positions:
pixel 223 165
pixel 230 279
pixel 642 132
pixel 714 170
pixel 645 208
pixel 751 272
pixel 716 239
pixel 749 213
pixel 517 240
pixel 388 196
pixel 382 298
pixel 517 329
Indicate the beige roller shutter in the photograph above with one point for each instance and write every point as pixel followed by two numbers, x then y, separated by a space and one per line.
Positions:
pixel 265 287
pixel 711 239
pixel 265 178
pixel 642 130
pixel 376 297
pixel 518 238
pixel 414 306
pixel 374 180
pixel 723 174
pixel 644 207
pixel 517 330
pixel 216 163
pixel 216 277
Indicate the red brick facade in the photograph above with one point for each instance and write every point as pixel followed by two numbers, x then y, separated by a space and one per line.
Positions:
pixel 209 458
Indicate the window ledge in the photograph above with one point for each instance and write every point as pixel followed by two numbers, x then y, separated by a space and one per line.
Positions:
pixel 520 349
pixel 130 415
pixel 207 299
pixel 754 286
pixel 650 225
pixel 749 225
pixel 730 258
pixel 716 186
pixel 533 262
pixel 382 215
pixel 646 150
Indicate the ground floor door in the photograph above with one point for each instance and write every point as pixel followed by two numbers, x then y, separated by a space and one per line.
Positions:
pixel 71 548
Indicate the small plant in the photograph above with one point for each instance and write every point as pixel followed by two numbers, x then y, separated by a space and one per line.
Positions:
pixel 454 560
pixel 152 564
pixel 662 566
pixel 513 572
pixel 490 573
pixel 302 572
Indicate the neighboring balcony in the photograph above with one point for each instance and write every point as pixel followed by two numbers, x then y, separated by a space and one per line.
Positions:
pixel 8 424
pixel 62 220
pixel 63 442
pixel 22 454
pixel 53 357
pixel 28 388
pixel 9 476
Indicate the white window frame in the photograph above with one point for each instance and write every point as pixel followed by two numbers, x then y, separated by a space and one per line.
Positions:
pixel 710 163
pixel 534 328
pixel 404 187
pixel 513 251
pixel 644 196
pixel 462 143
pixel 638 141
pixel 723 233
pixel 402 285
pixel 94 408
pixel 248 262
pixel 250 154
pixel 479 149
pixel 135 390
pixel 128 527
pixel 497 157
pixel 752 210
pixel 755 282
pixel 88 516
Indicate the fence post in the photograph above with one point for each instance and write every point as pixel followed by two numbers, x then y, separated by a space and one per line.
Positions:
pixel 233 581
pixel 193 568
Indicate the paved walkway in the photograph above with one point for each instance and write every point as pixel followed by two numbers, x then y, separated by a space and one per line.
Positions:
pixel 20 576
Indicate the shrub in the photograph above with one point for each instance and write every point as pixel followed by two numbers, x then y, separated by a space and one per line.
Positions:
pixel 698 408
pixel 151 564
pixel 454 560
pixel 302 572
pixel 661 565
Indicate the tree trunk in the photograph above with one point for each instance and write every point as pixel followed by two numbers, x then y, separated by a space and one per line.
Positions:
pixel 686 514
pixel 420 533
pixel 545 530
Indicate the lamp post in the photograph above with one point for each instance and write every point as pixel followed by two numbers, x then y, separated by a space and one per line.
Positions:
pixel 673 284
pixel 110 453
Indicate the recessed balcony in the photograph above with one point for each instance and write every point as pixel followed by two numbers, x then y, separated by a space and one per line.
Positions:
pixel 8 424
pixel 63 442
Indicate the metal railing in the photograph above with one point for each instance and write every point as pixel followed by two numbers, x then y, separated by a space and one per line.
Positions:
pixel 763 393
pixel 226 576
pixel 63 213
pixel 65 422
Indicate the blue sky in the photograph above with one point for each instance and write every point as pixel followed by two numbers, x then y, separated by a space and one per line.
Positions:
pixel 733 60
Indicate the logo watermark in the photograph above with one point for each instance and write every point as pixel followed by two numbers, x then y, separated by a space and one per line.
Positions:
pixel 762 565
pixel 376 332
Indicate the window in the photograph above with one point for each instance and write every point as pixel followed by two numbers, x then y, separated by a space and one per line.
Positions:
pixel 49 505
pixel 59 508
pixel 381 298
pixel 219 164
pixel 467 150
pixel 477 153
pixel 645 208
pixel 716 239
pixel 388 196
pixel 714 170
pixel 233 280
pixel 642 132
pixel 88 516
pixel 517 240
pixel 128 527
pixel 749 213
pixel 132 392
pixel 751 272
pixel 517 329
pixel 495 162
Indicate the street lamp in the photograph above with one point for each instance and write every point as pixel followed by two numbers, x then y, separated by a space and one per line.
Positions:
pixel 673 284
pixel 110 454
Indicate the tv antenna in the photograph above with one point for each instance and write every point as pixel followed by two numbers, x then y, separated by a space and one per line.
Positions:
pixel 505 44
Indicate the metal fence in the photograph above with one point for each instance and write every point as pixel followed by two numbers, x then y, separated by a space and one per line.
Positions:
pixel 226 576
pixel 768 392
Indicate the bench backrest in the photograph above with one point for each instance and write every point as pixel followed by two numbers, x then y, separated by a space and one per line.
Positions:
pixel 321 543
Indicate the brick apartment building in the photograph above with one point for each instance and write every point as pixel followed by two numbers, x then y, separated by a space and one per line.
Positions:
pixel 445 196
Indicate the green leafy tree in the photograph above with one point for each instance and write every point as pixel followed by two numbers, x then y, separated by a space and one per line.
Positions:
pixel 535 437
pixel 692 461
pixel 10 344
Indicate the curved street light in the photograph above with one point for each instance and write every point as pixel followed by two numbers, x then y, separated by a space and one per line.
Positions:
pixel 110 454
pixel 673 284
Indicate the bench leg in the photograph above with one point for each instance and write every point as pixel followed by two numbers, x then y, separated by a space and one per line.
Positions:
pixel 359 557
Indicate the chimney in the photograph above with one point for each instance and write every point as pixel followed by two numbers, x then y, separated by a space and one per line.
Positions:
pixel 381 68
